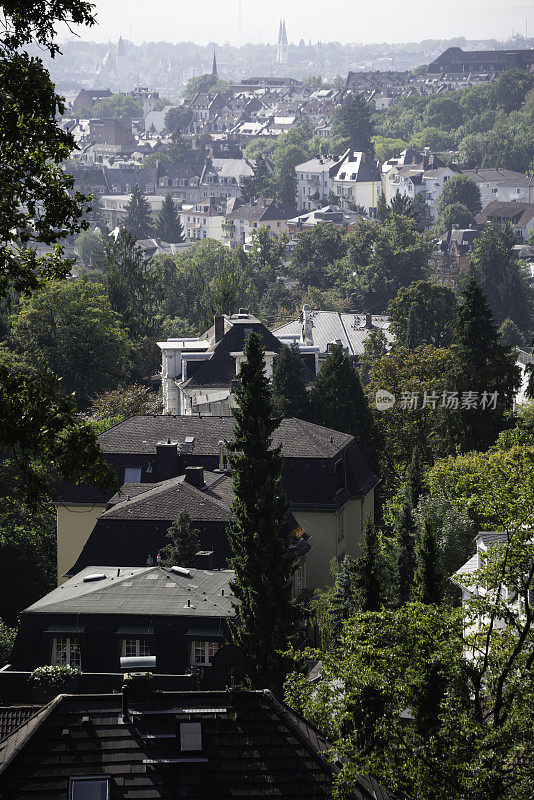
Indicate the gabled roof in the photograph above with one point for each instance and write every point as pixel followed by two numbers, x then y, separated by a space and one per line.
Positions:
pixel 328 327
pixel 150 591
pixel 140 434
pixel 517 213
pixel 262 210
pixel 251 745
pixel 358 168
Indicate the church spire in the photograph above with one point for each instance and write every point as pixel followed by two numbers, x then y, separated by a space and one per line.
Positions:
pixel 214 67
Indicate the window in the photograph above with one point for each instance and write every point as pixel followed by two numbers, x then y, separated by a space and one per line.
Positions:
pixel 135 648
pixel 66 651
pixel 132 475
pixel 190 736
pixel 203 652
pixel 89 789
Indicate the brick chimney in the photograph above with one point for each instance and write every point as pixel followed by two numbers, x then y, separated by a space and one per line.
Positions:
pixel 368 320
pixel 218 324
pixel 195 476
pixel 204 559
pixel 166 464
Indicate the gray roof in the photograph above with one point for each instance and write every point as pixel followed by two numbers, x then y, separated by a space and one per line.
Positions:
pixel 237 168
pixel 140 434
pixel 142 590
pixel 507 177
pixel 331 326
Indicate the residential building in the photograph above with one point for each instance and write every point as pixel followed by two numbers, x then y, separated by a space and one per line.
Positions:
pixel 205 107
pixel 315 180
pixel 427 179
pixel 198 375
pixel 115 207
pixel 451 255
pixel 204 220
pixel 112 132
pixel 358 182
pixel 103 613
pixel 223 177
pixel 87 98
pixel 502 184
pixel 333 215
pixel 322 329
pixel 198 744
pixel 242 219
pixel 519 215
pixel 328 484
pixel 455 60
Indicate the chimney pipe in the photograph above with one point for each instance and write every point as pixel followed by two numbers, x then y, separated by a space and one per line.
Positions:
pixel 221 456
pixel 125 690
pixel 166 465
pixel 368 320
pixel 204 559
pixel 195 476
pixel 218 324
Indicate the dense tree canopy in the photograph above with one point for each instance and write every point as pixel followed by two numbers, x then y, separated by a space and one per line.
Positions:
pixel 422 313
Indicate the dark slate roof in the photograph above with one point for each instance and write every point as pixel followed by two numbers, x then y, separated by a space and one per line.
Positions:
pixel 164 501
pixel 252 746
pixel 262 210
pixel 140 434
pixel 11 717
pixel 513 211
pixel 152 591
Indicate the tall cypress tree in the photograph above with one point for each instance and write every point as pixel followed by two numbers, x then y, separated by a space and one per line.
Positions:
pixel 338 401
pixel 406 529
pixel 290 396
pixel 368 570
pixel 482 366
pixel 343 601
pixel 169 227
pixel 428 583
pixel 138 220
pixel 267 617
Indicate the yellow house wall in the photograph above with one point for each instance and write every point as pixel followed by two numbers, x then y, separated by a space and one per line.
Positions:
pixel 74 526
pixel 333 534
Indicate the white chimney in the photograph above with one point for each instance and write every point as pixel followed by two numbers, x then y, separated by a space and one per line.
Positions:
pixel 307 334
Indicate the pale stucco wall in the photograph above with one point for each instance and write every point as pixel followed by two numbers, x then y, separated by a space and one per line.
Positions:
pixel 74 525
pixel 334 534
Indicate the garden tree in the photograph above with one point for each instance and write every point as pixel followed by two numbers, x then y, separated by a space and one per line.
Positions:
pixel 230 286
pixel 454 215
pixel 169 227
pixel 460 189
pixel 343 597
pixel 436 139
pixel 420 212
pixel 510 335
pixel 405 528
pixel 375 347
pixel 408 374
pixel 123 402
pixel 529 372
pixel 118 106
pixel 290 397
pixel 261 183
pixel 502 276
pixel 183 542
pixel 382 258
pixel 385 148
pixel 428 581
pixel 352 124
pixel 7 639
pixel 72 330
pixel 337 401
pixel 382 208
pixel 266 258
pixel 443 112
pixel 422 313
pixel 286 185
pixel 401 204
pixel 205 84
pixel 137 220
pixel 267 617
pixel 90 248
pixel 153 159
pixel 368 571
pixel 179 148
pixel 178 118
pixel 130 283
pixel 315 252
pixel 481 364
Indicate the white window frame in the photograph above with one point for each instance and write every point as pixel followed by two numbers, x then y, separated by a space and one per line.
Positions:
pixel 72 643
pixel 138 647
pixel 202 652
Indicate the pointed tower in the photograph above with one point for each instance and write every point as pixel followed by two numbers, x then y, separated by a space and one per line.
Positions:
pixel 214 67
pixel 281 50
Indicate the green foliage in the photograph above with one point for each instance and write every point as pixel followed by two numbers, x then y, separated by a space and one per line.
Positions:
pixel 118 106
pixel 263 567
pixel 455 214
pixel 352 124
pixel 460 189
pixel 7 638
pixel 169 227
pixel 153 159
pixel 342 603
pixel 138 221
pixel 90 248
pixel 369 572
pixel 205 84
pixel 178 118
pixel 510 335
pixel 386 147
pixel 502 276
pixel 72 330
pixel 261 183
pixel 317 249
pixel 428 580
pixel 422 313
pixel 124 402
pixel 405 529
pixel 290 397
pixel 53 677
pixel 375 347
pixel 183 542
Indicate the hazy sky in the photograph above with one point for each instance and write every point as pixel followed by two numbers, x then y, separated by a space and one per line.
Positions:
pixel 334 20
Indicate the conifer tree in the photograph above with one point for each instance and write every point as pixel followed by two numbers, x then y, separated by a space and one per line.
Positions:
pixel 382 210
pixel 338 401
pixel 483 367
pixel 428 585
pixel 267 617
pixel 169 227
pixel 183 541
pixel 406 528
pixel 290 397
pixel 138 217
pixel 343 601
pixel 368 570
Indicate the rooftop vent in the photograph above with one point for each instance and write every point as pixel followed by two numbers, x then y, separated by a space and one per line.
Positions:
pixel 96 576
pixel 181 571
